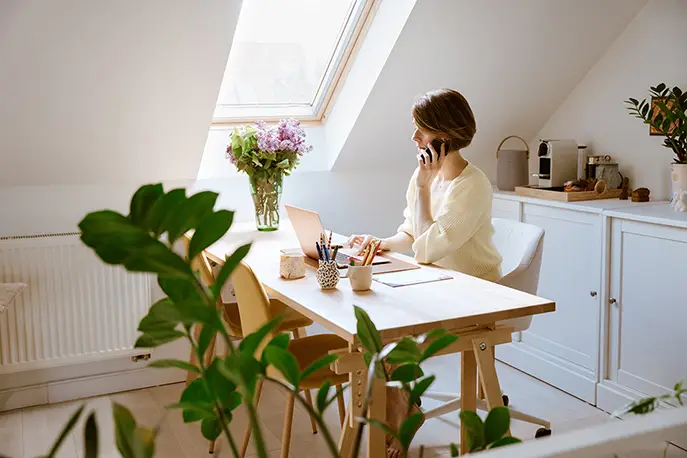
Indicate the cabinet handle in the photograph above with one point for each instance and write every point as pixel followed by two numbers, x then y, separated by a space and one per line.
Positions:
pixel 612 301
pixel 592 293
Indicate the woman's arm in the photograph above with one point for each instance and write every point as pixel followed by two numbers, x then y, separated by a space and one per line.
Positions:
pixel 400 242
pixel 423 210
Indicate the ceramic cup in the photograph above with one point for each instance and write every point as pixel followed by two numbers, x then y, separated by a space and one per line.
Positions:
pixel 292 266
pixel 327 274
pixel 360 277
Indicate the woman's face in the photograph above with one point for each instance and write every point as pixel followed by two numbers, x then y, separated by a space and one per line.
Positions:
pixel 421 138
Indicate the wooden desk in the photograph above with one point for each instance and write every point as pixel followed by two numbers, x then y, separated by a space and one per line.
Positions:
pixel 466 306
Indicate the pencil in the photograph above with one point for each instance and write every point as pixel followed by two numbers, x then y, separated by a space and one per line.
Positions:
pixel 330 240
pixel 326 253
pixel 336 249
pixel 373 251
pixel 319 251
pixel 366 253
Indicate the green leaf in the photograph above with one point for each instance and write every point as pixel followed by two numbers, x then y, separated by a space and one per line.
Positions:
pixel 229 265
pixel 211 429
pixel 420 387
pixel 280 340
pixel 367 332
pixel 508 440
pixel 283 164
pixel 437 345
pixel 221 387
pixel 407 373
pixel 242 369
pixel 405 351
pixel 496 424
pixel 475 429
pixel 643 406
pixel 125 427
pixel 142 202
pixel 163 210
pixel 409 428
pixel 324 361
pixel 431 335
pixel 65 431
pixel 660 87
pixel 454 450
pixel 251 342
pixel 321 401
pixel 336 394
pixel 383 426
pixel 164 363
pixel 196 402
pixel 179 289
pixel 156 257
pixel 285 363
pixel 91 437
pixel 206 335
pixel 189 213
pixel 193 412
pixel 634 101
pixel 156 338
pixel 162 315
pixel 211 228
pixel 198 312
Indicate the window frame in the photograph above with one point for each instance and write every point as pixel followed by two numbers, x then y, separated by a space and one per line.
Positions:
pixel 329 87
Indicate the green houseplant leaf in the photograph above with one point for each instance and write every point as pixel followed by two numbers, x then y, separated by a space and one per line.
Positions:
pixel 65 431
pixel 229 265
pixel 475 428
pixel 496 424
pixel 409 428
pixel 323 362
pixel 285 363
pixel 367 332
pixel 91 437
pixel 437 345
pixel 142 203
pixel 211 228
pixel 407 373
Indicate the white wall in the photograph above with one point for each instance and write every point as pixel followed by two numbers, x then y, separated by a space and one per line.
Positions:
pixel 515 61
pixel 104 92
pixel 652 49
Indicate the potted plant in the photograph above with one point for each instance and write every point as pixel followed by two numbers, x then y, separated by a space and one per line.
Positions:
pixel 267 154
pixel 666 114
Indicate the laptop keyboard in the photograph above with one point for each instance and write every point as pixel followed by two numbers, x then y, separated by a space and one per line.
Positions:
pixel 342 258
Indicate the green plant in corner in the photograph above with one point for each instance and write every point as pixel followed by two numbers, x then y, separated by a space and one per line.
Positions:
pixel 669 117
pixel 143 241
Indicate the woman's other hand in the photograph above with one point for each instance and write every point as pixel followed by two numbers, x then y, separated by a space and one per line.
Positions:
pixel 361 242
pixel 429 168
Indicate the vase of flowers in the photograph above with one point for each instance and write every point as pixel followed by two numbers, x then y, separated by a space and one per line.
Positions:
pixel 267 154
pixel 666 114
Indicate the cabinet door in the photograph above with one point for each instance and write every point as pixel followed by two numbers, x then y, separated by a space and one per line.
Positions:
pixel 562 347
pixel 648 307
pixel 505 208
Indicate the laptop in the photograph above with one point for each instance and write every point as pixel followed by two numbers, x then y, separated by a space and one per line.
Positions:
pixel 308 228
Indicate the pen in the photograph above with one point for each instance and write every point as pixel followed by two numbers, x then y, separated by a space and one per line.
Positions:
pixel 336 249
pixel 326 252
pixel 319 252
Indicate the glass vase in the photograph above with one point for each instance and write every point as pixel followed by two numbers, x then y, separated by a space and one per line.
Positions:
pixel 266 195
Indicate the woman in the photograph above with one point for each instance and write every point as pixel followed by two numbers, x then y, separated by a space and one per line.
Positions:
pixel 447 219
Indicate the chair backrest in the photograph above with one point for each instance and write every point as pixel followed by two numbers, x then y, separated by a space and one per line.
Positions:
pixel 253 302
pixel 520 246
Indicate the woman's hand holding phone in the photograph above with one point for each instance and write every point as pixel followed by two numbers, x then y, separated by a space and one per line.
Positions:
pixel 430 163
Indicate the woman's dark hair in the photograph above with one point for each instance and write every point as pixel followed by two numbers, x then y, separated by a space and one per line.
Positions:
pixel 446 114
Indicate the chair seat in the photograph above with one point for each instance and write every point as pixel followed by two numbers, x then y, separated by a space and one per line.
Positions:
pixel 309 349
pixel 291 318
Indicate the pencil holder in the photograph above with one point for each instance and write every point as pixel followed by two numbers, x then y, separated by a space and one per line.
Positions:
pixel 327 275
pixel 360 277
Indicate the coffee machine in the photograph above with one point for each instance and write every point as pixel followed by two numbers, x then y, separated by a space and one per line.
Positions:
pixel 557 162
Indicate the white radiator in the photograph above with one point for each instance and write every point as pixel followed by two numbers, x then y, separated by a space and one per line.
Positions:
pixel 75 308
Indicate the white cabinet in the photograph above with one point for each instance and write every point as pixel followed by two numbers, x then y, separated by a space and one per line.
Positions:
pixel 647 311
pixel 562 348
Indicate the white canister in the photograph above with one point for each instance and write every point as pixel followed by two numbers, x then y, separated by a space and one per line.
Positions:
pixel 512 166
pixel 678 175
pixel 292 266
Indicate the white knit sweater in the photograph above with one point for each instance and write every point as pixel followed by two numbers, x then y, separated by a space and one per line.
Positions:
pixel 460 237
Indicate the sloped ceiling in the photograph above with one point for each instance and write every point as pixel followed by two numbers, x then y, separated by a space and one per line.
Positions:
pixel 515 61
pixel 108 91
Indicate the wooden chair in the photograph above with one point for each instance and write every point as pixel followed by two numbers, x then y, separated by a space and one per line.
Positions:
pixel 255 311
pixel 293 321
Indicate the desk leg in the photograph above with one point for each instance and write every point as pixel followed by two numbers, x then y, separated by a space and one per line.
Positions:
pixel 355 409
pixel 376 443
pixel 489 380
pixel 468 392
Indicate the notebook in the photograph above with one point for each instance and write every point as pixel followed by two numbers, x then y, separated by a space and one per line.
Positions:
pixel 410 277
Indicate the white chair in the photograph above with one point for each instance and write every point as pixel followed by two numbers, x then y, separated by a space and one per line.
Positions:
pixel 520 246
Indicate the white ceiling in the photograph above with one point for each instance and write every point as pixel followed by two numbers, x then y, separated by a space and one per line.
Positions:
pixel 108 91
pixel 515 61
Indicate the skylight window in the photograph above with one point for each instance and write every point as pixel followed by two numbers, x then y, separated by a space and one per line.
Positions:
pixel 287 58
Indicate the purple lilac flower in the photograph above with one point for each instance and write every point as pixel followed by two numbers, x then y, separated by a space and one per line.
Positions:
pixel 230 155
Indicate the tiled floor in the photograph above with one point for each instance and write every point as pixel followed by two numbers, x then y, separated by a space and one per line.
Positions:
pixel 29 432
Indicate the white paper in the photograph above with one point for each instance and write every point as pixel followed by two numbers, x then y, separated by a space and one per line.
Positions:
pixel 410 277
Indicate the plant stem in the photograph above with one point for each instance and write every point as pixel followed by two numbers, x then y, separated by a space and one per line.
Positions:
pixel 323 427
pixel 255 426
pixel 216 405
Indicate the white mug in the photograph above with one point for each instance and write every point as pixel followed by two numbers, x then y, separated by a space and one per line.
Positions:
pixel 360 277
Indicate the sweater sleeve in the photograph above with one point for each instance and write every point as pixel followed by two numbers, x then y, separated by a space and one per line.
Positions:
pixel 407 225
pixel 457 220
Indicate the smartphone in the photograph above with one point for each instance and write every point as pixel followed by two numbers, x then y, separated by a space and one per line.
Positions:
pixel 436 143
